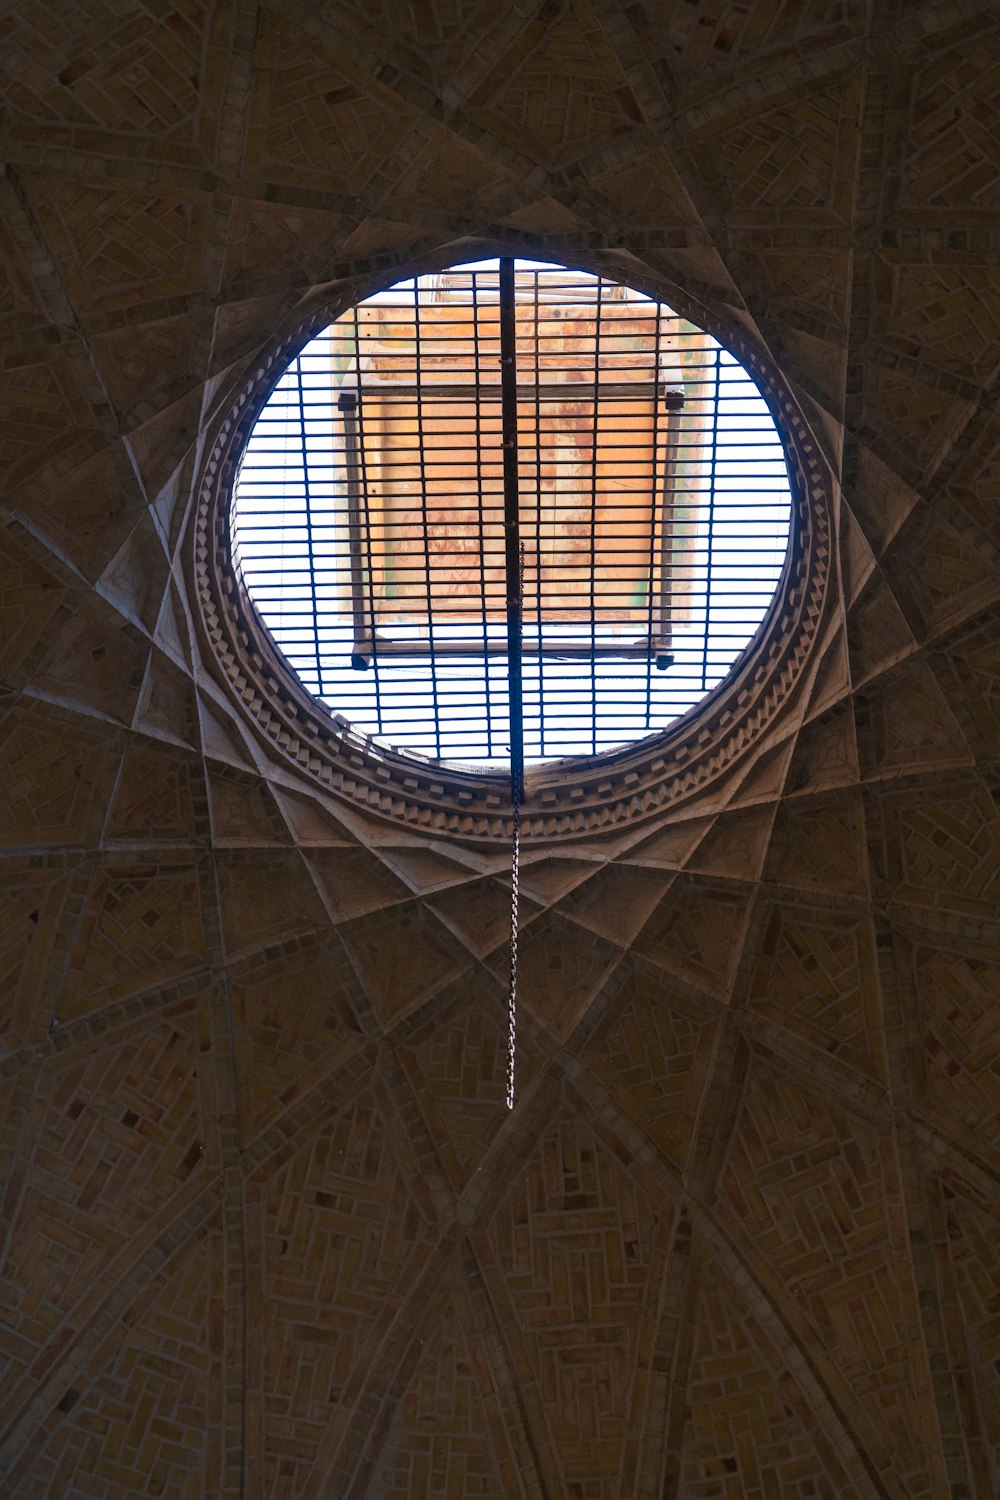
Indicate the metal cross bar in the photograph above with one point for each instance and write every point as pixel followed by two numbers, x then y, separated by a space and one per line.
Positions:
pixel 511 524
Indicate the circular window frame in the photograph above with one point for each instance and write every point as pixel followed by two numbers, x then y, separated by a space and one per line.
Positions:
pixel 576 797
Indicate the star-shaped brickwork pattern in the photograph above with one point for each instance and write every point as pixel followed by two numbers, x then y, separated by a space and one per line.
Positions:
pixel 266 1212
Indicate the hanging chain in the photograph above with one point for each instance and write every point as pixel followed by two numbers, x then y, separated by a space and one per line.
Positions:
pixel 514 575
pixel 516 798
pixel 512 987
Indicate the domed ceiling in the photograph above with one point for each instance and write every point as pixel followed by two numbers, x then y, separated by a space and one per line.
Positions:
pixel 268 1228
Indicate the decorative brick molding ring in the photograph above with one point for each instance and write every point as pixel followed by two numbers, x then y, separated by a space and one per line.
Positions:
pixel 578 797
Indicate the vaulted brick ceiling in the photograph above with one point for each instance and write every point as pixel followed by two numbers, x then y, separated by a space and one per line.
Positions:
pixel 268 1229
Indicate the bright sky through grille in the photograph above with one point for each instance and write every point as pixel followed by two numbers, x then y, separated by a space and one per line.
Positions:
pixel 654 514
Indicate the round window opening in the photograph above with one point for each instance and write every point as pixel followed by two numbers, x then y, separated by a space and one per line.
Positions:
pixel 512 469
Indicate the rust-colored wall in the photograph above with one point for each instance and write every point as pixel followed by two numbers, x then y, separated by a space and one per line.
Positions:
pixel 588 498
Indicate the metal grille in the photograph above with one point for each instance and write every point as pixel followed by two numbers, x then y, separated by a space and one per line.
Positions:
pixel 653 508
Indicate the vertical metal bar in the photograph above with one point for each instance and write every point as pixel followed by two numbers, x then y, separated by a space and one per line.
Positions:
pixel 593 521
pixel 540 657
pixel 663 636
pixel 309 527
pixel 511 523
pixel 363 476
pixel 422 460
pixel 480 496
pixel 654 513
pixel 711 517
pixel 347 404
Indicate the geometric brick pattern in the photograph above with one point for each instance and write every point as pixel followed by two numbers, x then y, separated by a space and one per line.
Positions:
pixel 266 1225
pixel 266 897
pixel 975 1258
pixel 646 191
pixel 723 31
pixel 560 89
pixel 143 366
pixel 575 1240
pixel 951 161
pixel 440 1441
pixel 121 246
pixel 695 934
pixel 912 725
pixel 44 403
pixel 826 754
pixel 951 315
pixel 815 976
pixel 809 289
pixel 448 169
pixel 613 902
pixel 35 907
pixel 312 115
pixel 877 632
pixel 974 658
pixel 404 956
pixel 914 421
pixel 946 850
pixel 952 578
pixel 561 967
pixel 455 1060
pixel 960 1031
pixel 342 1241
pixel 793 158
pixel 744 1436
pixel 97 663
pixel 295 1019
pixel 102 70
pixel 141 925
pixel 112 1138
pixel 87 505
pixel 52 774
pixel 29 597
pixel 431 44
pixel 156 798
pixel 798 1161
pixel 819 845
pixel 653 1054
pixel 144 1426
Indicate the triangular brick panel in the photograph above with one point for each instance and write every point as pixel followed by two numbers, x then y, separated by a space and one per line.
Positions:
pixel 127 1113
pixel 152 1414
pixel 820 845
pixel 442 1443
pixel 695 934
pixel 266 896
pixel 159 798
pixel 562 967
pixel 737 1385
pixel 826 1234
pixel 296 1018
pixel 816 976
pixel 405 956
pixel 579 1301
pixel 343 1240
pixel 456 1060
pixel 56 776
pixel 653 1053
pixel 141 927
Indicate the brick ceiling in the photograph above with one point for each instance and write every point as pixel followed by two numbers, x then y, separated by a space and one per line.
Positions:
pixel 268 1230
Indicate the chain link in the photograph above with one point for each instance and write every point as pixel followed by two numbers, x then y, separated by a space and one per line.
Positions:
pixel 512 987
pixel 516 798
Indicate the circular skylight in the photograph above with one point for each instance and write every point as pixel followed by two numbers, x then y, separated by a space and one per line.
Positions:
pixel 651 511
